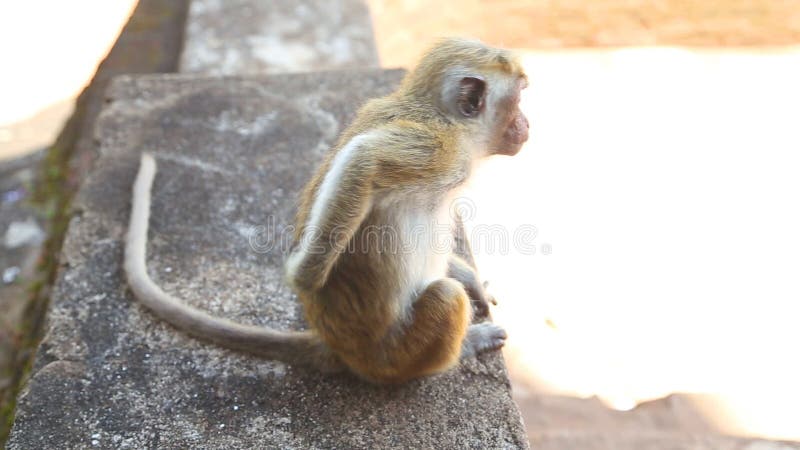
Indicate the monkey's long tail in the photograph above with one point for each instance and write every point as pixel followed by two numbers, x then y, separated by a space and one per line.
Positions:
pixel 294 347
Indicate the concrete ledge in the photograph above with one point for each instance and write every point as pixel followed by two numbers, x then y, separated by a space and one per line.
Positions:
pixel 234 37
pixel 232 154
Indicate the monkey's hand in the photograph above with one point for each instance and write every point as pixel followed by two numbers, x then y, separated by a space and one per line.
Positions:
pixel 476 290
pixel 480 306
pixel 481 301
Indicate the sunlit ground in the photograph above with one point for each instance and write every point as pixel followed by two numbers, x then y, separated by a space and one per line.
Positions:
pixel 49 50
pixel 665 182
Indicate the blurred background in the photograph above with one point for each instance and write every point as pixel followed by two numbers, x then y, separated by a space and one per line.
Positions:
pixel 661 179
pixel 51 51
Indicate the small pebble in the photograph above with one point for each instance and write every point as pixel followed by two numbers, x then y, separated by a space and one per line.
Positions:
pixel 25 232
pixel 13 196
pixel 10 274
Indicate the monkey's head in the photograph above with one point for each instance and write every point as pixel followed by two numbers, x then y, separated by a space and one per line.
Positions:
pixel 478 87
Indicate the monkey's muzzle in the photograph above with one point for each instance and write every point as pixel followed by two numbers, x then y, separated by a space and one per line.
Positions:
pixel 517 132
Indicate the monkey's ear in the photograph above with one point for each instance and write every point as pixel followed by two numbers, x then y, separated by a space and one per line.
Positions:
pixel 471 96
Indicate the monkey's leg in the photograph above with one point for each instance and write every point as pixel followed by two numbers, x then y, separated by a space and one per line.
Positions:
pixel 440 333
pixel 431 343
pixel 459 269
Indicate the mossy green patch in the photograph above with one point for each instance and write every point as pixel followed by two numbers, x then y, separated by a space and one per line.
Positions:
pixel 51 199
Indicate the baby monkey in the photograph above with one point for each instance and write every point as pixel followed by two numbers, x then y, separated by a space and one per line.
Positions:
pixel 386 314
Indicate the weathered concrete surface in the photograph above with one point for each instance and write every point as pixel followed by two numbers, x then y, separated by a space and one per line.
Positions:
pixel 234 37
pixel 21 238
pixel 232 154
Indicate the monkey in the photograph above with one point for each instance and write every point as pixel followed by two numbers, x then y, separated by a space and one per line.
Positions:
pixel 385 315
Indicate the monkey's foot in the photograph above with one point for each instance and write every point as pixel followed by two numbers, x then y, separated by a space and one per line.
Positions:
pixel 483 337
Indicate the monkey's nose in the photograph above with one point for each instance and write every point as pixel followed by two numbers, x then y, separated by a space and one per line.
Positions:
pixel 521 126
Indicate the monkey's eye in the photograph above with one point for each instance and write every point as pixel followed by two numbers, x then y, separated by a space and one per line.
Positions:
pixel 472 92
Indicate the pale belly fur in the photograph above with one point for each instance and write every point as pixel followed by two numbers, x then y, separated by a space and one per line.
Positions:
pixel 424 244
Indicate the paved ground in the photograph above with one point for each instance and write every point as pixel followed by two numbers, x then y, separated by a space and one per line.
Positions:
pixel 238 37
pixel 403 27
pixel 50 63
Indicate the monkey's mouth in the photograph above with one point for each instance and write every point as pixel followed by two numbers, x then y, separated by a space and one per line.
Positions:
pixel 518 129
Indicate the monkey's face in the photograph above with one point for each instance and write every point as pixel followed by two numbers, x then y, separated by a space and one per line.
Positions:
pixel 488 103
pixel 510 130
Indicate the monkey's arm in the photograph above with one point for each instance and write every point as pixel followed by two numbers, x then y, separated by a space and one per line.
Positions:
pixel 340 204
